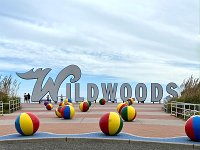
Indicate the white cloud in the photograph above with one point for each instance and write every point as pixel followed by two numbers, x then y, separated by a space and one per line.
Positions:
pixel 138 41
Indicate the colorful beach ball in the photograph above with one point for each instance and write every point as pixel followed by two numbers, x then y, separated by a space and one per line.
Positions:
pixel 45 103
pixel 67 100
pixel 58 112
pixel 27 123
pixel 89 102
pixel 68 103
pixel 111 123
pixel 49 106
pixel 102 101
pixel 120 106
pixel 128 113
pixel 61 104
pixel 192 128
pixel 84 106
pixel 67 112
pixel 130 101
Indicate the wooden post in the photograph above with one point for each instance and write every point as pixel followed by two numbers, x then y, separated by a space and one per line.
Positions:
pixel 184 111
pixel 1 108
pixel 9 107
pixel 171 108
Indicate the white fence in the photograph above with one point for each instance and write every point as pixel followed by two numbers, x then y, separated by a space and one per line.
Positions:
pixel 182 109
pixel 13 105
pixel 1 108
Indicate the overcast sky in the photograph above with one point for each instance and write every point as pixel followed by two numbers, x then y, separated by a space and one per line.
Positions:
pixel 127 40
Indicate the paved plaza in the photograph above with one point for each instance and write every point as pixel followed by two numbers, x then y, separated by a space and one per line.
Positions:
pixel 151 121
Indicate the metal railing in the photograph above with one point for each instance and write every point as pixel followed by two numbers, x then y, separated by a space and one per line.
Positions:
pixel 1 108
pixel 182 109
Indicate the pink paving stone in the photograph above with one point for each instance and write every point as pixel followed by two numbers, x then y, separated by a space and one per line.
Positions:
pixel 139 130
pixel 96 116
pixel 84 127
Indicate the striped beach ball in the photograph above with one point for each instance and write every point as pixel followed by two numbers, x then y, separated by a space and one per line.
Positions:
pixel 128 113
pixel 68 103
pixel 130 101
pixel 67 100
pixel 120 106
pixel 102 101
pixel 89 102
pixel 61 104
pixel 84 106
pixel 67 112
pixel 192 128
pixel 58 112
pixel 49 106
pixel 27 123
pixel 111 123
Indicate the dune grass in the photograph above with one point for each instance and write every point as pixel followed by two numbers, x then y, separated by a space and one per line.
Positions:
pixel 190 91
pixel 8 90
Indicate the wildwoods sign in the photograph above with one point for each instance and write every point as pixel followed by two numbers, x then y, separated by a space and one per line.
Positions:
pixel 109 90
